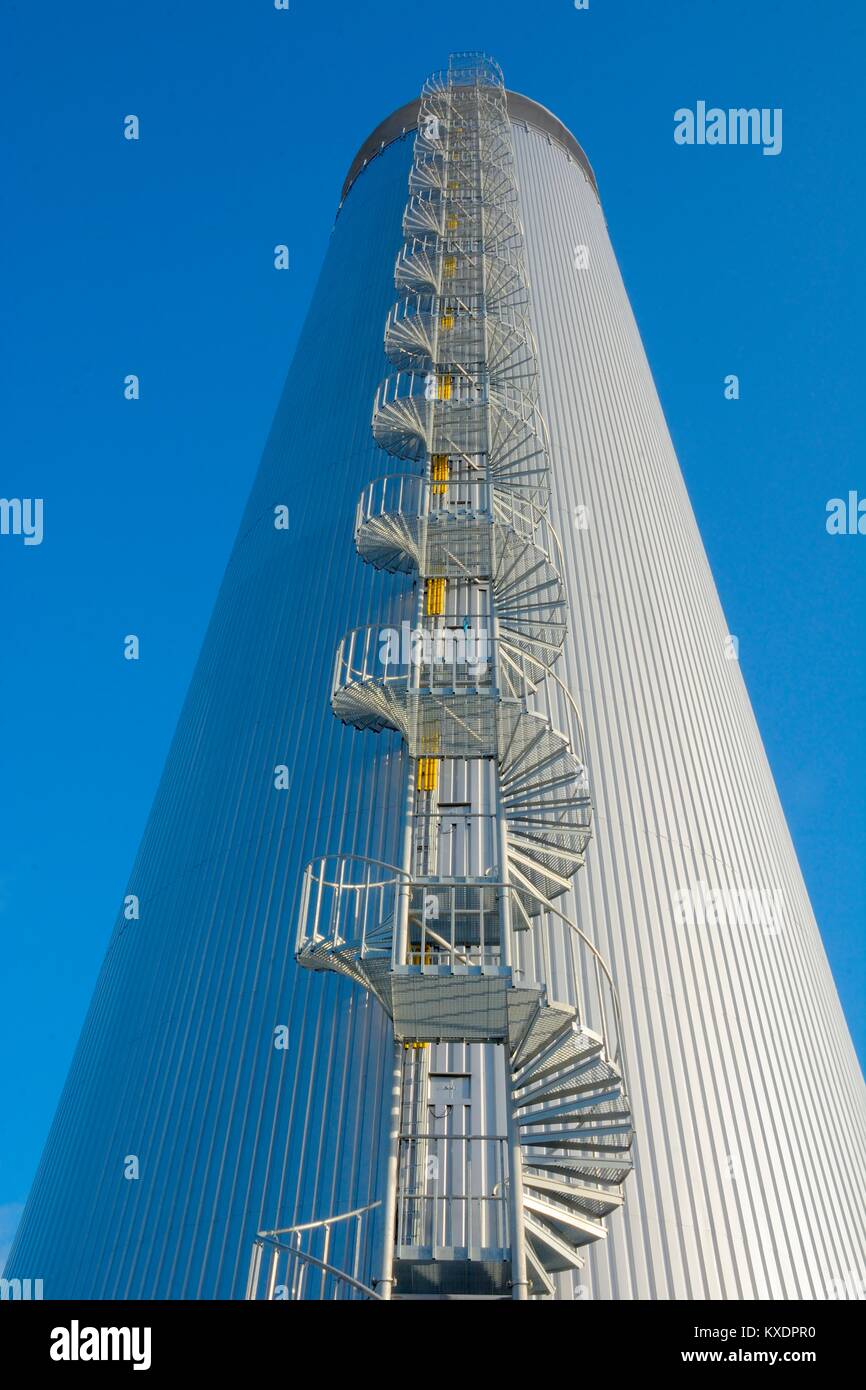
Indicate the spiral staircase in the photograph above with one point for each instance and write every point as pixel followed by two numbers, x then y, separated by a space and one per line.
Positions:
pixel 465 956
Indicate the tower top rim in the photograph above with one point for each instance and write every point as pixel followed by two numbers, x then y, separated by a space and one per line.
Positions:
pixel 520 108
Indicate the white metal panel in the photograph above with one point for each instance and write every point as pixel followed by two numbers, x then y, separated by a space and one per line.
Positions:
pixel 747 1095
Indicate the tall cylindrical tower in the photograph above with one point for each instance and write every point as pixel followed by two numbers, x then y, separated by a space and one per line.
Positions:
pixel 553 920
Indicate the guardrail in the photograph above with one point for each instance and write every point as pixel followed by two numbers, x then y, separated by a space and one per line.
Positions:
pixel 281 1269
pixel 422 657
pixel 414 498
pixel 453 1193
pixel 351 903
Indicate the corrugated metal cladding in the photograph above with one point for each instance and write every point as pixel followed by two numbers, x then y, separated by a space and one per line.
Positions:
pixel 177 1062
pixel 748 1100
pixel 746 1092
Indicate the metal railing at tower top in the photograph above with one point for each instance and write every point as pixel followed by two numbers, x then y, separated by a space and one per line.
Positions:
pixel 466 68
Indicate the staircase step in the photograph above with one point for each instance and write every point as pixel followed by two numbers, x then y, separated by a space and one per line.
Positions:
pixel 572 1226
pixel 540 1281
pixel 574 1167
pixel 591 1201
pixel 585 1139
pixel 545 1024
pixel 605 1107
pixel 567 1048
pixel 554 1253
pixel 592 1073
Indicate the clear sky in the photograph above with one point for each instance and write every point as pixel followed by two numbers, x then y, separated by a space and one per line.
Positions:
pixel 156 257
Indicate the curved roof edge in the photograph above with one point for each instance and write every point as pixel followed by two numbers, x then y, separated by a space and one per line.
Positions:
pixel 520 108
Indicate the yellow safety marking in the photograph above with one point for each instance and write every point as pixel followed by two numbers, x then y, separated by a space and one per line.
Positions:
pixel 444 383
pixel 447 320
pixel 440 472
pixel 449 266
pixel 428 774
pixel 414 958
pixel 435 597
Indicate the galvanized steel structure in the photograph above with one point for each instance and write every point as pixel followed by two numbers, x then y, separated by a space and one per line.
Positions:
pixel 437 1105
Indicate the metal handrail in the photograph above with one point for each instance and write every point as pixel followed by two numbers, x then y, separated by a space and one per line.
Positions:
pixel 425 303
pixel 462 197
pixel 444 652
pixel 428 212
pixel 322 1221
pixel 360 859
pixel 326 1268
pixel 411 385
pixel 432 246
pixel 488 110
pixel 484 145
pixel 400 876
pixel 575 712
pixel 409 495
pixel 528 519
pixel 473 332
pixel 430 156
pixel 293 1251
pixel 477 64
pixel 436 171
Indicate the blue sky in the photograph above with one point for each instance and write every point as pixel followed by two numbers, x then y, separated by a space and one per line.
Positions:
pixel 156 258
